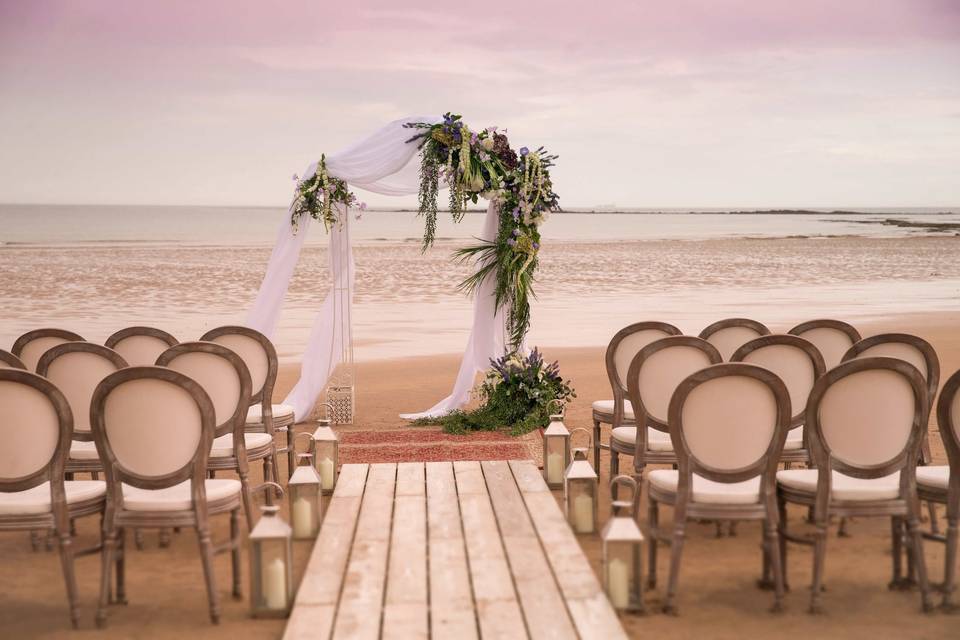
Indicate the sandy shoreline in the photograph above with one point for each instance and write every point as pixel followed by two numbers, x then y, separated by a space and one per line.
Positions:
pixel 717 596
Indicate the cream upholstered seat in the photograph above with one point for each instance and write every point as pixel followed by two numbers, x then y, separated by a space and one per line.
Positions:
pixel 843 487
pixel 936 477
pixel 35 428
pixel 154 427
pixel 866 419
pixel 729 422
pixel 708 491
pixel 794 439
pixel 223 445
pixel 620 352
pixel 177 497
pixel 82 450
pixel 281 412
pixel 33 344
pixel 656 440
pixel 37 499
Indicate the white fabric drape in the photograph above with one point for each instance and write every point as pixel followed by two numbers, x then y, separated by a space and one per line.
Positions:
pixel 487 338
pixel 381 163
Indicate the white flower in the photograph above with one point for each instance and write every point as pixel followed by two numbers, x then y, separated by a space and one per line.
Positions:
pixel 487 143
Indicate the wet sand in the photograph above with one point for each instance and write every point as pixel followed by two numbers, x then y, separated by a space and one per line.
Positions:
pixel 717 596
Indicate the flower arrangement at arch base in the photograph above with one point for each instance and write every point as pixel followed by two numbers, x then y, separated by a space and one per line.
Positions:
pixel 518 394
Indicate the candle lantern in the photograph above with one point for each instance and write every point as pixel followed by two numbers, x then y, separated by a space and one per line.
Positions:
pixel 305 493
pixel 622 545
pixel 326 454
pixel 580 483
pixel 556 451
pixel 271 563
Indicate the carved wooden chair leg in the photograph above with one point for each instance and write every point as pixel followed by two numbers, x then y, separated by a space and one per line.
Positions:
pixel 163 538
pixel 69 575
pixel 773 544
pixel 206 554
pixel 35 540
pixel 653 523
pixel 934 522
pixel 291 451
pixel 121 567
pixel 950 573
pixel 596 445
pixel 916 539
pixel 235 553
pixel 614 468
pixel 819 558
pixel 782 540
pixel 106 571
pixel 138 539
pixel 896 538
pixel 676 551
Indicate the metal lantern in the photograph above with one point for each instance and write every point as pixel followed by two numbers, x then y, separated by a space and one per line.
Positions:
pixel 556 451
pixel 305 492
pixel 580 486
pixel 271 563
pixel 622 546
pixel 326 454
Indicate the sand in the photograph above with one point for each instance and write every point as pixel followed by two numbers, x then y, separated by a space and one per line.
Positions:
pixel 717 596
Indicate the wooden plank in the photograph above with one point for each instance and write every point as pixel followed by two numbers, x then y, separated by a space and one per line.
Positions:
pixel 451 601
pixel 405 622
pixel 351 481
pixel 309 622
pixel 411 479
pixel 498 609
pixel 361 600
pixel 589 608
pixel 543 605
pixel 405 612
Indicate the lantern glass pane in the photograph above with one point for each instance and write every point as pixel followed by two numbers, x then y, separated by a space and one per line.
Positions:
pixel 620 572
pixel 305 510
pixel 555 459
pixel 269 579
pixel 327 463
pixel 581 502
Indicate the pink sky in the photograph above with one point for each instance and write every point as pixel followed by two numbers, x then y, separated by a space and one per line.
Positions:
pixel 712 103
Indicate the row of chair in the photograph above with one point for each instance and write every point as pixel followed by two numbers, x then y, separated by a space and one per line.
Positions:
pixel 156 431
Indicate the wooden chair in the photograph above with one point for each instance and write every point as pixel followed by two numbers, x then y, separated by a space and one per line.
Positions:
pixel 77 368
pixel 728 424
pixel 799 365
pixel 865 422
pixel 941 484
pixel 225 378
pixel 833 338
pixel 730 334
pixel 33 344
pixel 260 356
pixel 624 345
pixel 35 427
pixel 652 377
pixel 154 430
pixel 10 361
pixel 140 346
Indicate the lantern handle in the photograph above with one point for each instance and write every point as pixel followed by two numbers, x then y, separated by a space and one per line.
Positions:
pixel 311 449
pixel 620 503
pixel 267 485
pixel 329 410
pixel 560 404
pixel 582 430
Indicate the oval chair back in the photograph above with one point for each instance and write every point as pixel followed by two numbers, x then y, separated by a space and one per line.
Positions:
pixel 948 417
pixel 730 334
pixel 258 353
pixel 140 346
pixel 77 368
pixel 655 373
pixel 917 352
pixel 222 374
pixel 10 361
pixel 33 344
pixel 794 360
pixel 833 338
pixel 626 344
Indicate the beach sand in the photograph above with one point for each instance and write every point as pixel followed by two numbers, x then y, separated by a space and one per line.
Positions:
pixel 717 595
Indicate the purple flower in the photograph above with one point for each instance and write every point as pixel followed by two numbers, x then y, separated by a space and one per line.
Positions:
pixel 524 151
pixel 512 242
pixel 363 206
pixel 516 232
pixel 474 139
pixel 536 245
pixel 295 177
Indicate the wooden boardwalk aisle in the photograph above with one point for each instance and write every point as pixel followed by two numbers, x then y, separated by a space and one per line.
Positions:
pixel 448 550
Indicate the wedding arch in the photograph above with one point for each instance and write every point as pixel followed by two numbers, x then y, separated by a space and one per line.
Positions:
pixel 472 164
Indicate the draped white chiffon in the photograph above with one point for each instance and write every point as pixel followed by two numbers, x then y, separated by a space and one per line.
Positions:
pixel 382 163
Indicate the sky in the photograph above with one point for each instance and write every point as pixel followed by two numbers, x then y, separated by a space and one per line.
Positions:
pixel 710 103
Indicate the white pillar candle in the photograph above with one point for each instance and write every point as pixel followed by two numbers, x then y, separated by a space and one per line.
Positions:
pixel 618 583
pixel 583 513
pixel 304 519
pixel 554 467
pixel 275 584
pixel 326 473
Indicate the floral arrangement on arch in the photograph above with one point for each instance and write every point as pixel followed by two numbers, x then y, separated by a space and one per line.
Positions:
pixel 475 164
pixel 319 196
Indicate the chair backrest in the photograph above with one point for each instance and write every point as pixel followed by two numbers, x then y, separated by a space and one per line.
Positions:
pixel 626 344
pixel 33 344
pixel 257 352
pixel 795 361
pixel 656 371
pixel 833 338
pixel 77 368
pixel 140 346
pixel 909 348
pixel 35 426
pixel 153 428
pixel 866 419
pixel 10 361
pixel 728 423
pixel 221 373
pixel 730 334
pixel 948 417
